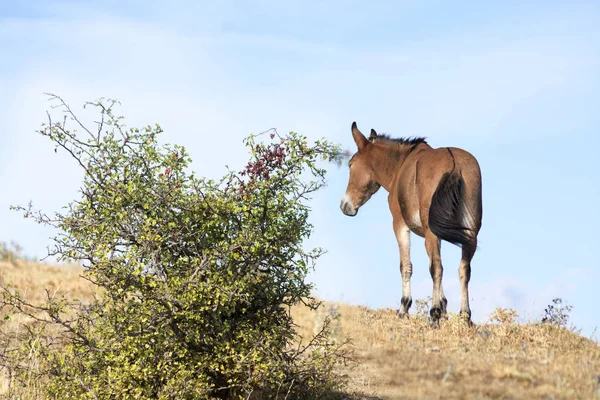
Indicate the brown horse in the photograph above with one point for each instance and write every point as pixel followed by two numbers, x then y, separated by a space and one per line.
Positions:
pixel 435 193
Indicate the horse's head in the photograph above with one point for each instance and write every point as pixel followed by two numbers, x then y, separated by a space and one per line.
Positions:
pixel 362 184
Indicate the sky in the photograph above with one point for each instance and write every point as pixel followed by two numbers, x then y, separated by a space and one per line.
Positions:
pixel 516 83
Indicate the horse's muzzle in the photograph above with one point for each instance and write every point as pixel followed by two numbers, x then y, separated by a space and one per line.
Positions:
pixel 347 208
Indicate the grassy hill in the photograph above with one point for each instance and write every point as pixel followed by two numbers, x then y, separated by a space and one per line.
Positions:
pixel 406 359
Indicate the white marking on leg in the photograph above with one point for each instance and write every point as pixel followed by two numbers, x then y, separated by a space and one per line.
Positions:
pixel 403 237
pixel 405 286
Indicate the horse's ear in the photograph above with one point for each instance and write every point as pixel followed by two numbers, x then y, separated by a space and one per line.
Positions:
pixel 360 139
pixel 373 134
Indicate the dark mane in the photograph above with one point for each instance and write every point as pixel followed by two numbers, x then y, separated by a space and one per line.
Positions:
pixel 411 141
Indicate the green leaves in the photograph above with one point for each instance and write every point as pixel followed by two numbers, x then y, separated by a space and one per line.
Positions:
pixel 198 276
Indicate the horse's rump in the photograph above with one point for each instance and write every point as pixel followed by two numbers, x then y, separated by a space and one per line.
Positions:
pixel 447 210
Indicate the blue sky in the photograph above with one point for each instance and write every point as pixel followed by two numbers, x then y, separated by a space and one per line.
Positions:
pixel 515 83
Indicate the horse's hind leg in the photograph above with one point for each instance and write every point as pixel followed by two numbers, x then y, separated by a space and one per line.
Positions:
pixel 464 273
pixel 432 244
pixel 444 301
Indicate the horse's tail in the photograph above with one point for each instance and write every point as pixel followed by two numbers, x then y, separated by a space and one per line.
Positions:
pixel 447 211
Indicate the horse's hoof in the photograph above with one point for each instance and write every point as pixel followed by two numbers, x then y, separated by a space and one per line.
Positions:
pixel 436 314
pixel 402 314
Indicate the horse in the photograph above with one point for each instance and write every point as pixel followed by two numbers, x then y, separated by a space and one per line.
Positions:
pixel 433 192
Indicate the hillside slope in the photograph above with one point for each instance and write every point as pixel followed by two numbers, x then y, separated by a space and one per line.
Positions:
pixel 406 359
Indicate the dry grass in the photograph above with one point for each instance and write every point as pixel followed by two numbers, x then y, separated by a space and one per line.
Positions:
pixel 34 279
pixel 406 359
pixel 36 282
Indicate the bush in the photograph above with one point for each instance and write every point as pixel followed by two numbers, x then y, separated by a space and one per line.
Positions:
pixel 557 313
pixel 13 252
pixel 197 276
pixel 504 316
pixel 422 307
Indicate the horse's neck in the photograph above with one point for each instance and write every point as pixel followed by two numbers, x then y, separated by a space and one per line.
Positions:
pixel 387 162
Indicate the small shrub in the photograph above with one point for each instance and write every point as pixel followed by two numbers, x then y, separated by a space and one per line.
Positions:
pixel 557 313
pixel 422 307
pixel 504 316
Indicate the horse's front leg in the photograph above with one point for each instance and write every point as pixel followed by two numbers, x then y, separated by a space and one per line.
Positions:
pixel 403 237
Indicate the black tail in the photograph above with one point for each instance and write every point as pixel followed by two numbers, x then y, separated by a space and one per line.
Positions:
pixel 445 211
